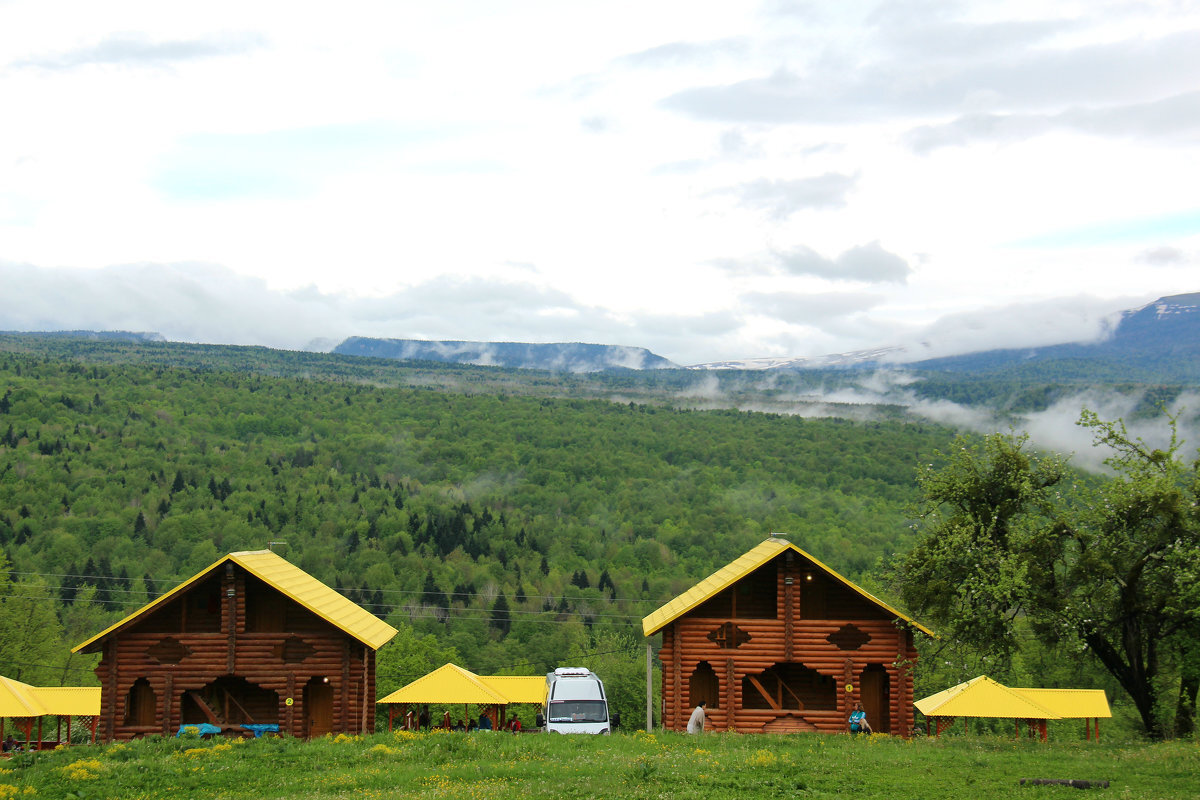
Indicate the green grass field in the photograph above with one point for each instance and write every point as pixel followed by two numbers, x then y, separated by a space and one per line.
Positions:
pixel 639 765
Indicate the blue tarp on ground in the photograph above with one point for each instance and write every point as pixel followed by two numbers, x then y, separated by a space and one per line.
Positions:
pixel 205 729
pixel 260 728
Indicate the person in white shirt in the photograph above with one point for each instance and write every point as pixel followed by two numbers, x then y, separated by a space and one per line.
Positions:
pixel 696 721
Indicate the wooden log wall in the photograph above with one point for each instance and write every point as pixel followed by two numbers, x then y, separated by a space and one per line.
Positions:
pixel 176 662
pixel 791 638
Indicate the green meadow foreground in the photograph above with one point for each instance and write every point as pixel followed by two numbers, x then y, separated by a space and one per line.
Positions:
pixel 638 765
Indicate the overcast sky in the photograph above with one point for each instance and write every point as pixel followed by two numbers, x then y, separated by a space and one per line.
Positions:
pixel 710 180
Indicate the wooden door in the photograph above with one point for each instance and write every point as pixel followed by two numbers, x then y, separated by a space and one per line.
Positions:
pixel 873 688
pixel 318 708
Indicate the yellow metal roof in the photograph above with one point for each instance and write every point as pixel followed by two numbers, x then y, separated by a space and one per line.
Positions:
pixel 1071 703
pixel 77 701
pixel 19 700
pixel 740 568
pixel 983 697
pixel 518 688
pixel 447 684
pixel 292 581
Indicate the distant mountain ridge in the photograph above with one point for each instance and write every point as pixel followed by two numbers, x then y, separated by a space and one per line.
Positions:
pixel 556 357
pixel 108 336
pixel 1162 337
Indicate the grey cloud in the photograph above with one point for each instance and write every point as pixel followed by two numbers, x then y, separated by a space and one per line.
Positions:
pixel 1170 118
pixel 937 39
pixel 675 54
pixel 137 49
pixel 783 198
pixel 1024 78
pixel 211 304
pixel 1034 324
pixel 1163 256
pixel 594 124
pixel 808 308
pixel 868 262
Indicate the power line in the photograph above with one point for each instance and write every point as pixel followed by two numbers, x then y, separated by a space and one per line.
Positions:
pixel 176 581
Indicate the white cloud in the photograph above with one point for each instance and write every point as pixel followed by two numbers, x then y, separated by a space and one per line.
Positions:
pixel 680 178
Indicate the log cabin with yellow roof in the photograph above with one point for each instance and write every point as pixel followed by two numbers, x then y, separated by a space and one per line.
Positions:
pixel 777 642
pixel 250 644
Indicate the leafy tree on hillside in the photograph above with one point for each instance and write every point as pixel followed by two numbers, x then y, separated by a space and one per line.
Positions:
pixel 1111 569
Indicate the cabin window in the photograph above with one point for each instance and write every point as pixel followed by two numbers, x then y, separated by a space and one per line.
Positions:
pixel 848 637
pixel 728 636
pixel 140 703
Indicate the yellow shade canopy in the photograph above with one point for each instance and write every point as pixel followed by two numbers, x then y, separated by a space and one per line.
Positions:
pixel 453 684
pixel 984 697
pixel 69 701
pixel 19 700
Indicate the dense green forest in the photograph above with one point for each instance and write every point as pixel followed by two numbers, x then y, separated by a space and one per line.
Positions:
pixel 482 519
pixel 507 520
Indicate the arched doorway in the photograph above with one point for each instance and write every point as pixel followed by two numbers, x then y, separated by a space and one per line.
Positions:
pixel 230 700
pixel 704 686
pixel 318 707
pixel 874 686
pixel 789 686
pixel 141 704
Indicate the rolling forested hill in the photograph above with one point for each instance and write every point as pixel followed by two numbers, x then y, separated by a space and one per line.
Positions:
pixel 484 517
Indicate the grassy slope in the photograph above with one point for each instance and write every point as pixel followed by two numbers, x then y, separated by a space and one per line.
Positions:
pixel 439 765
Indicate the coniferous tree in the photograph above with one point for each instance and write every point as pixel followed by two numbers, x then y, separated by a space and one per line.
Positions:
pixel 501 619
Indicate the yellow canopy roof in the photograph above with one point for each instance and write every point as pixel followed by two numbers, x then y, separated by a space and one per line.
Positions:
pixel 76 701
pixel 446 684
pixel 22 700
pixel 293 582
pixel 19 700
pixel 1071 703
pixel 518 688
pixel 453 684
pixel 740 568
pixel 983 697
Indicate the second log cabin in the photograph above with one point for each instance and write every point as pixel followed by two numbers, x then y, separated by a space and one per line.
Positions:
pixel 251 643
pixel 776 642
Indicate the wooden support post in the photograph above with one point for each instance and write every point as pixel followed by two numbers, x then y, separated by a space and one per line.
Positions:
pixel 730 694
pixel 649 691
pixel 110 653
pixel 366 671
pixel 677 674
pixel 345 687
pixel 168 701
pixel 231 619
pixel 289 713
pixel 789 594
